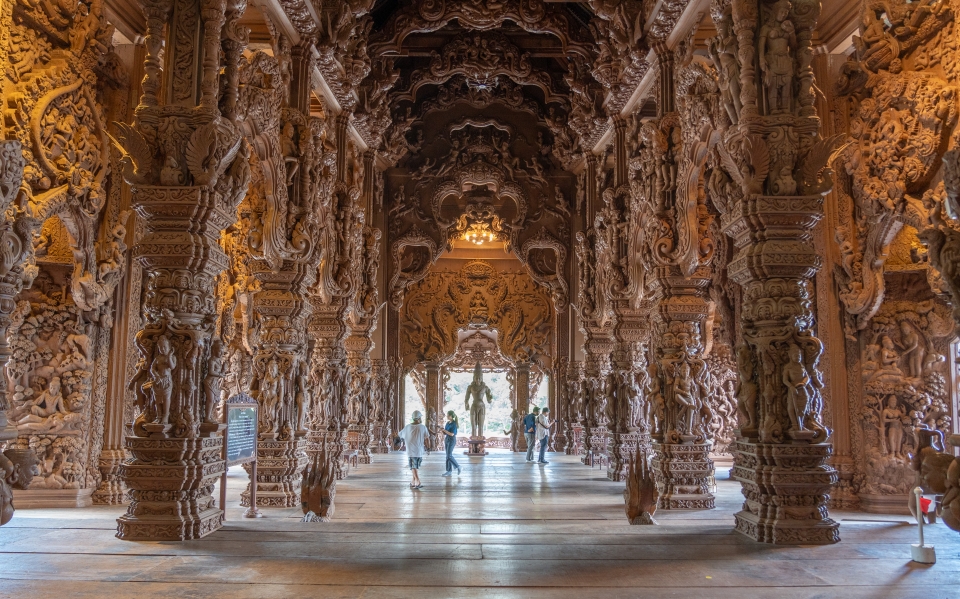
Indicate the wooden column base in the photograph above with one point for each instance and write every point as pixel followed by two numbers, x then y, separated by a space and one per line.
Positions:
pixel 787 488
pixel 575 445
pixel 684 473
pixel 381 439
pixel 280 466
pixel 620 449
pixel 171 482
pixel 334 444
pixel 111 490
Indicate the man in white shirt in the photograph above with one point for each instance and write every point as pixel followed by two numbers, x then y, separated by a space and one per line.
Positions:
pixel 543 433
pixel 414 436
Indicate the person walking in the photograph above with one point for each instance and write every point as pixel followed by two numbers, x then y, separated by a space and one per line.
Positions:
pixel 414 435
pixel 450 441
pixel 530 432
pixel 543 433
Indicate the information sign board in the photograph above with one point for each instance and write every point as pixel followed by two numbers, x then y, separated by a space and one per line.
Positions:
pixel 241 430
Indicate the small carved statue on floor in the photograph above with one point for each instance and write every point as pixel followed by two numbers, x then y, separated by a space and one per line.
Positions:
pixel 641 494
pixel 477 391
pixel 318 490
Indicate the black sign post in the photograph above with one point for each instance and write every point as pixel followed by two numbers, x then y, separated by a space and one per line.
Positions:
pixel 240 416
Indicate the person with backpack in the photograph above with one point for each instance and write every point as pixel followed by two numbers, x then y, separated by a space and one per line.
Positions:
pixel 543 433
pixel 530 431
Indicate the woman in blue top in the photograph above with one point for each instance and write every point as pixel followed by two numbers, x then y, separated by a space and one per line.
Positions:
pixel 450 430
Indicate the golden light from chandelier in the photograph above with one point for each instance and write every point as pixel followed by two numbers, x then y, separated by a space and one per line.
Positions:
pixel 479 234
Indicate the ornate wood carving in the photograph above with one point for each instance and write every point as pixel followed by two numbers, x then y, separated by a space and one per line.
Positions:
pixel 479 296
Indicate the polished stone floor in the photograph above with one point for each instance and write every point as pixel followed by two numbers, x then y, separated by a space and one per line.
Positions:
pixel 504 528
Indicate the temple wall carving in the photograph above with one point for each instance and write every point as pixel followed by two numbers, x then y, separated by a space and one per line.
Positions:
pixel 66 241
pixel 480 296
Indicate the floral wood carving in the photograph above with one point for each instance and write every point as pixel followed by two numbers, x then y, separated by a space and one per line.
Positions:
pixel 477 296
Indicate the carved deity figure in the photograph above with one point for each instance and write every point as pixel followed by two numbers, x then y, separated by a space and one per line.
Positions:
pixel 888 362
pixel 161 378
pixel 654 398
pixel 477 392
pixel 778 41
pixel 271 390
pixel 747 390
pixel 914 351
pixel 723 51
pixel 48 403
pixel 288 146
pixel 212 381
pixel 799 389
pixel 685 395
pixel 891 422
pixel 303 398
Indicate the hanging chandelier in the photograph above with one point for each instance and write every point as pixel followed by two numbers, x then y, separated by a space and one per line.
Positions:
pixel 479 234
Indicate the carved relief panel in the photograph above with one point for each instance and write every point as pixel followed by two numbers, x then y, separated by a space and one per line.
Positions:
pixel 479 297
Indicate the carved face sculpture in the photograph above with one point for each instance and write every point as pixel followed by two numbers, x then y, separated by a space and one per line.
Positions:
pixel 796 355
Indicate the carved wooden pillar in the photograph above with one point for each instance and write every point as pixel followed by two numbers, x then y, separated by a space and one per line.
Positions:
pixel 597 349
pixel 560 405
pixel 780 459
pixel 621 435
pixel 281 371
pixel 11 274
pixel 185 199
pixel 626 431
pixel 359 380
pixel 380 399
pixel 11 281
pixel 682 465
pixel 781 453
pixel 329 423
pixel 118 397
pixel 666 190
pixel 284 262
pixel 574 400
pixel 433 403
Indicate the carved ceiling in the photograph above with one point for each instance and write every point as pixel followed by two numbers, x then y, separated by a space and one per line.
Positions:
pixel 482 113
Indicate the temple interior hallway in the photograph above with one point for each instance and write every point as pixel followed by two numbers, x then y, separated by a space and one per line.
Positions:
pixel 498 530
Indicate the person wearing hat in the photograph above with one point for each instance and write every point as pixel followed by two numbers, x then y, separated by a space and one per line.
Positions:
pixel 414 435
